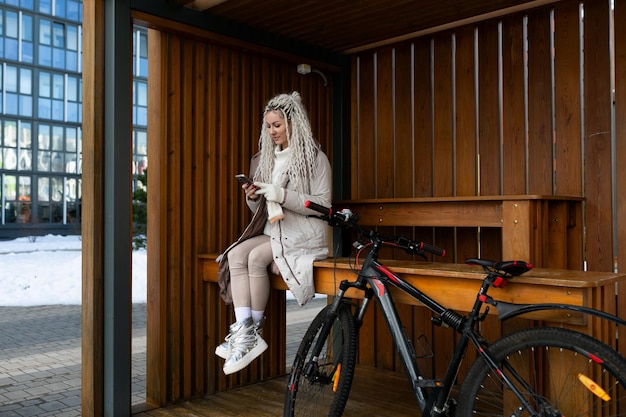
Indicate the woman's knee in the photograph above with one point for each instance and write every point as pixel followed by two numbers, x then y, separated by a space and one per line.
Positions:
pixel 260 258
pixel 237 258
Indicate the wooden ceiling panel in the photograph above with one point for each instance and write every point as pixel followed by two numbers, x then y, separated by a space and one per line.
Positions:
pixel 348 25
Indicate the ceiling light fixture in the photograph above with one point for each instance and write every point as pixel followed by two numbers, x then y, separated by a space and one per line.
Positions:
pixel 306 69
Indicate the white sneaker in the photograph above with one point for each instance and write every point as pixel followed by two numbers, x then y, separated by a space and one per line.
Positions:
pixel 222 349
pixel 245 345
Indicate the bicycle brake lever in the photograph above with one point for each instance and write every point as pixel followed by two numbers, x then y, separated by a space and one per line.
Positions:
pixel 358 245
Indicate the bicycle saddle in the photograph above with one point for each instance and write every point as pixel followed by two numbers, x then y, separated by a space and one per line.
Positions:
pixel 513 268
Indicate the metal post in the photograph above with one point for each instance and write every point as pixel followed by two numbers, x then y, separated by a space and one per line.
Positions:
pixel 117 208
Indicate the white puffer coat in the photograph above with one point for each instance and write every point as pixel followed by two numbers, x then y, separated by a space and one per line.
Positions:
pixel 298 239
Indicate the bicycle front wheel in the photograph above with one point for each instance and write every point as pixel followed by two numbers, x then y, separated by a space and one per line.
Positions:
pixel 556 373
pixel 320 382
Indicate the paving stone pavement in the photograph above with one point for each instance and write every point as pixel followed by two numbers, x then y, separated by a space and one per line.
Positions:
pixel 40 368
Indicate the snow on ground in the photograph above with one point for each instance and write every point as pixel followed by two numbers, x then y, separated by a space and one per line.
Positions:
pixel 48 271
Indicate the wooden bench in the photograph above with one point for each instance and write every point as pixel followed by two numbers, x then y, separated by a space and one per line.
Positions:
pixel 455 286
pixel 545 230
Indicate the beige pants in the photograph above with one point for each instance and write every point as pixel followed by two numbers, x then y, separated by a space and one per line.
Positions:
pixel 249 280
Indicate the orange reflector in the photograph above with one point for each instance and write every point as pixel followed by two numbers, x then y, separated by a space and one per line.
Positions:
pixel 593 387
pixel 336 378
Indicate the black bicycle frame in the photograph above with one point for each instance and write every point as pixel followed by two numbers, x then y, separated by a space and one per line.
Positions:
pixel 373 279
pixel 377 276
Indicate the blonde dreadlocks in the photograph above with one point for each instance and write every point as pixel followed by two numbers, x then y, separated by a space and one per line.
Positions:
pixel 304 146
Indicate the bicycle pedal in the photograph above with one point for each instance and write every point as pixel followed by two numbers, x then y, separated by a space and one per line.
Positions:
pixel 428 383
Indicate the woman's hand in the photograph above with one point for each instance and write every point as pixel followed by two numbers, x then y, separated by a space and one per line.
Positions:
pixel 271 192
pixel 250 190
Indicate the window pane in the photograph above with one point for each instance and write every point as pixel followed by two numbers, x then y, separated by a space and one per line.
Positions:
pixel 57 86
pixel 26 105
pixel 25 160
pixel 43 138
pixel 43 160
pixel 44 6
pixel 25 135
pixel 10 187
pixel 10 133
pixel 44 108
pixel 141 145
pixel 26 81
pixel 23 205
pixel 58 35
pixel 71 186
pixel 27 4
pixel 56 189
pixel 27 52
pixel 70 163
pixel 70 139
pixel 57 164
pixel 142 94
pixel 72 38
pixel 73 10
pixel 45 31
pixel 140 164
pixel 43 189
pixel 24 189
pixel 10 83
pixel 71 61
pixel 57 110
pixel 72 89
pixel 80 140
pixel 10 49
pixel 142 116
pixel 45 56
pixel 59 8
pixel 11 27
pixel 57 138
pixel 10 158
pixel 12 106
pixel 56 213
pixel 44 84
pixel 27 27
pixel 72 112
pixel 58 58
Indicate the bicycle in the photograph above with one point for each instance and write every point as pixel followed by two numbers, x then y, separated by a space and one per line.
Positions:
pixel 540 371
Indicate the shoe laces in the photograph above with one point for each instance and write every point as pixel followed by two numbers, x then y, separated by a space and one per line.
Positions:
pixel 242 341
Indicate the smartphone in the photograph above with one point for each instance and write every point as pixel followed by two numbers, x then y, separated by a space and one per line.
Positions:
pixel 243 179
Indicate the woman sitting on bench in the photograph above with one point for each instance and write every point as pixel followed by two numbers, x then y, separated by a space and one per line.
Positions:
pixel 289 169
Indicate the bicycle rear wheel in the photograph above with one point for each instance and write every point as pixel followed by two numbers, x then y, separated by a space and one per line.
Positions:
pixel 321 388
pixel 559 373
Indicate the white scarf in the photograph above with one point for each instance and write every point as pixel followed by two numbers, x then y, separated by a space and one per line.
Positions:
pixel 274 210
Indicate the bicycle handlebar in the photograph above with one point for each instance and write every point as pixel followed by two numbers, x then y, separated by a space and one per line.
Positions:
pixel 318 207
pixel 346 217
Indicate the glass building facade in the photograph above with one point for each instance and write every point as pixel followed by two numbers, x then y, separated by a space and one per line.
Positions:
pixel 41 115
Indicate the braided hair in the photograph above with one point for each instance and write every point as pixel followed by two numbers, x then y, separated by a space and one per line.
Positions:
pixel 304 147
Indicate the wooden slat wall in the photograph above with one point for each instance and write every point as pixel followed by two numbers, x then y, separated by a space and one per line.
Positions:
pixel 501 107
pixel 485 109
pixel 203 130
pixel 620 135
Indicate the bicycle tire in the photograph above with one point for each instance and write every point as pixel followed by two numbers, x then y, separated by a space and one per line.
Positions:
pixel 320 394
pixel 561 356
